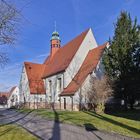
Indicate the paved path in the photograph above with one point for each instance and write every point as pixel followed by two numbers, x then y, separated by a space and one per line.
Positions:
pixel 51 130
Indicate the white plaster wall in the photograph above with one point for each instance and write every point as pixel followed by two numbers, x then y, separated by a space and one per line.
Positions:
pixel 82 90
pixel 53 95
pixel 99 71
pixel 88 43
pixel 24 91
pixel 76 97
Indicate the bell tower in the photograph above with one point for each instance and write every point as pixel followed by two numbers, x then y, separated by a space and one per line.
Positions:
pixel 55 42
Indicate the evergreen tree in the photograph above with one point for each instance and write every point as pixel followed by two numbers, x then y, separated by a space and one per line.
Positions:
pixel 122 58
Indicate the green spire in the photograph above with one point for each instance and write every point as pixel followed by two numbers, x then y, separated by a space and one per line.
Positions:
pixel 55 34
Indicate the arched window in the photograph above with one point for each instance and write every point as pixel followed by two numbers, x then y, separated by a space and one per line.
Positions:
pixel 59 84
pixel 50 86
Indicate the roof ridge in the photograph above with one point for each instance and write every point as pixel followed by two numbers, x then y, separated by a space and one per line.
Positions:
pixel 99 46
pixel 33 63
pixel 63 61
pixel 84 32
pixel 84 71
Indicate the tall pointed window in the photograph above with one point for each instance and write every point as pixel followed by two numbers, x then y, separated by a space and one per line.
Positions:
pixel 59 84
pixel 50 90
pixel 50 87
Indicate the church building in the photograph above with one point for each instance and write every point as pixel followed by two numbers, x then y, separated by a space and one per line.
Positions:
pixel 61 80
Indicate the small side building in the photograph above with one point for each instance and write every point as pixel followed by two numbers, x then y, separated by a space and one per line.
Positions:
pixel 13 99
pixel 10 98
pixel 3 99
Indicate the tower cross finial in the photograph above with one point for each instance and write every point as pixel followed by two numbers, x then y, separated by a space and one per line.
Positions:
pixel 55 25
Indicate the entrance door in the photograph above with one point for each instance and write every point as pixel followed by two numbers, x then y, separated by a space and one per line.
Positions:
pixel 64 103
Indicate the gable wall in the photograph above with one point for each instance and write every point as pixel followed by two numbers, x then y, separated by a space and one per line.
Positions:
pixel 24 91
pixel 88 43
pixel 14 98
pixel 81 93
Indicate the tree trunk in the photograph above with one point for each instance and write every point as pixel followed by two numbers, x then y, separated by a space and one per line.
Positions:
pixel 132 101
pixel 125 104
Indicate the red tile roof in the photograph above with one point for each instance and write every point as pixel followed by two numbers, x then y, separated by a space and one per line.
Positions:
pixel 87 67
pixel 47 60
pixel 6 94
pixel 34 74
pixel 63 56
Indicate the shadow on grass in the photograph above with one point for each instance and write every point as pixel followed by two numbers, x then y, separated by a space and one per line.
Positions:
pixel 89 127
pixel 13 122
pixel 129 114
pixel 135 130
pixel 56 129
pixel 13 114
pixel 6 131
pixel 16 120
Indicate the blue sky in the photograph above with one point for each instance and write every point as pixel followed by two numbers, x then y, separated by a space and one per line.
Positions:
pixel 72 18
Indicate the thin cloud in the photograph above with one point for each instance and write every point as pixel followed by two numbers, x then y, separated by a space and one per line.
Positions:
pixel 39 58
pixel 42 55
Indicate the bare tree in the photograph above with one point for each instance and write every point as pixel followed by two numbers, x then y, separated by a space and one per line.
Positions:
pixel 98 93
pixel 3 58
pixel 9 20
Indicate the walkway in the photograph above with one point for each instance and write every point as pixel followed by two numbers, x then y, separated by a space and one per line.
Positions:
pixel 51 130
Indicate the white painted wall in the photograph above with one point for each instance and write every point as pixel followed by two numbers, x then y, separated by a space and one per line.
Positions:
pixel 88 43
pixel 98 72
pixel 52 95
pixel 24 90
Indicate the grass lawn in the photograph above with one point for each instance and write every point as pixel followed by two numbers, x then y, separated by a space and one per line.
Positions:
pixel 125 123
pixel 14 132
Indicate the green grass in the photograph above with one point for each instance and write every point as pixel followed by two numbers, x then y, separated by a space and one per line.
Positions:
pixel 14 132
pixel 127 124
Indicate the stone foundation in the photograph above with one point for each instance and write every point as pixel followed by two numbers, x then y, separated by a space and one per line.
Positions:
pixel 39 105
pixel 57 106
